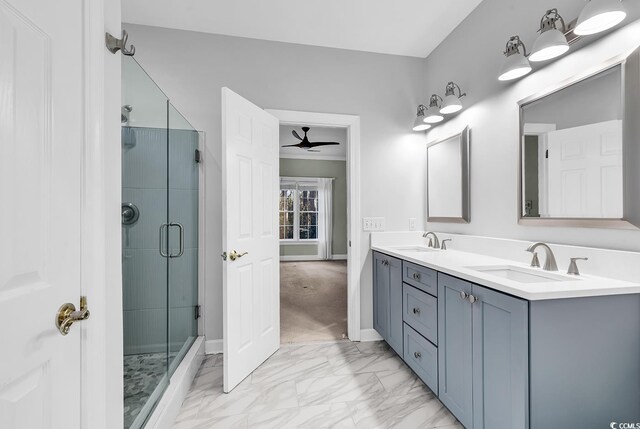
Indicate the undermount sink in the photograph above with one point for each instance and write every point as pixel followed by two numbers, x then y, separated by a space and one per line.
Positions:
pixel 522 275
pixel 414 249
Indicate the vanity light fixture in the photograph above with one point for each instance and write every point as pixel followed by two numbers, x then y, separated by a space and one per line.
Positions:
pixel 551 42
pixel 419 124
pixel 451 102
pixel 517 64
pixel 599 15
pixel 433 115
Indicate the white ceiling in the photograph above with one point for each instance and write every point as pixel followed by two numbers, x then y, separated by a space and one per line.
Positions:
pixel 400 27
pixel 315 134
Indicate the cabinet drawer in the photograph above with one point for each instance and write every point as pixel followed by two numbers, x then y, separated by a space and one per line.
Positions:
pixel 420 310
pixel 422 357
pixel 423 278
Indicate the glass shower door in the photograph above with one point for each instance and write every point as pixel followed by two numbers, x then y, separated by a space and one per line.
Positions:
pixel 183 186
pixel 145 209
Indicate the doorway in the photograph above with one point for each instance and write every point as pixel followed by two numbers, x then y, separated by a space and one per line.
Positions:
pixel 349 261
pixel 312 216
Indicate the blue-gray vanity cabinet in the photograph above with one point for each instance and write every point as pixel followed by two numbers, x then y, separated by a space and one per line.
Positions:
pixel 455 339
pixel 500 360
pixel 483 355
pixel 387 299
pixel 421 312
pixel 422 357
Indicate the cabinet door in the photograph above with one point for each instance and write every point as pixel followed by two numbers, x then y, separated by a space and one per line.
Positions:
pixel 394 333
pixel 500 361
pixel 381 294
pixel 455 347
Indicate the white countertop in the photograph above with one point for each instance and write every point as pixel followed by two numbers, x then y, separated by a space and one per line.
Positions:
pixel 458 263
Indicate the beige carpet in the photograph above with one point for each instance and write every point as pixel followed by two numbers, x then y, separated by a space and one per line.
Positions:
pixel 313 301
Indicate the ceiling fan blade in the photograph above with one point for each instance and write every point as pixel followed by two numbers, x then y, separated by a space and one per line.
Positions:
pixel 296 135
pixel 292 145
pixel 314 144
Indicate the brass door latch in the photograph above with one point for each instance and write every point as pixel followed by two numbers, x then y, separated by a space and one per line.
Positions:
pixel 67 315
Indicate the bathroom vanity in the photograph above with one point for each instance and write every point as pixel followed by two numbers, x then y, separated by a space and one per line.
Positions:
pixel 507 346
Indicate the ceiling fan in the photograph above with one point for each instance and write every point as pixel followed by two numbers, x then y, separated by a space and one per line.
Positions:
pixel 305 143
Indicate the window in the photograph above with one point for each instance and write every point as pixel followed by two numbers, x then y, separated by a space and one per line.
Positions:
pixel 299 211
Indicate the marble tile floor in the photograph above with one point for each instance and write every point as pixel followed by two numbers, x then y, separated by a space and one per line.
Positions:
pixel 317 385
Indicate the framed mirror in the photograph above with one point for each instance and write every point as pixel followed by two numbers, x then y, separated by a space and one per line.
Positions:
pixel 579 150
pixel 448 179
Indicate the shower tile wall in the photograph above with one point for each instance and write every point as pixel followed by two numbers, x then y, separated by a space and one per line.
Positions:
pixel 144 183
pixel 144 166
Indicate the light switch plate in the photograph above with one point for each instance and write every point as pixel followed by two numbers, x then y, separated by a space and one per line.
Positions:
pixel 412 224
pixel 373 224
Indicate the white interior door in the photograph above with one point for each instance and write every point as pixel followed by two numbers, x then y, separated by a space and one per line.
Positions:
pixel 251 282
pixel 41 129
pixel 585 171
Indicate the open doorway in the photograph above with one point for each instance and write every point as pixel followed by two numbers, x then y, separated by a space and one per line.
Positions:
pixel 313 233
pixel 351 125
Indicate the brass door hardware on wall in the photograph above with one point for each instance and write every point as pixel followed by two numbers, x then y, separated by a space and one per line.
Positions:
pixel 67 315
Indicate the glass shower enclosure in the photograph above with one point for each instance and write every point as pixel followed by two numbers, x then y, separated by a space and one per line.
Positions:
pixel 160 192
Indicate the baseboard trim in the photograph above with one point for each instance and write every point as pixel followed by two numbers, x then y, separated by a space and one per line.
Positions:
pixel 302 258
pixel 296 258
pixel 213 347
pixel 168 408
pixel 369 335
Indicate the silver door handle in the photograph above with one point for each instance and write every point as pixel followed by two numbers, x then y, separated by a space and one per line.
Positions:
pixel 472 299
pixel 181 250
pixel 416 276
pixel 163 228
pixel 464 295
pixel 416 310
pixel 417 355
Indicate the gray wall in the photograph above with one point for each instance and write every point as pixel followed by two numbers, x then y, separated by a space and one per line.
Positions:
pixel 491 110
pixel 383 90
pixel 318 168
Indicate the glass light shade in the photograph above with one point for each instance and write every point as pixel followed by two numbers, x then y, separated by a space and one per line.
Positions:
pixel 451 104
pixel 548 45
pixel 515 66
pixel 419 124
pixel 599 15
pixel 433 116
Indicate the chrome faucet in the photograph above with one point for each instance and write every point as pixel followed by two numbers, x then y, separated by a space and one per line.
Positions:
pixel 435 243
pixel 550 260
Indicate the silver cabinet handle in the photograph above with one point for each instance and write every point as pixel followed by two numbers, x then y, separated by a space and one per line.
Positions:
pixel 163 228
pixel 463 294
pixel 181 249
pixel 417 355
pixel 416 310
pixel 416 276
pixel 472 299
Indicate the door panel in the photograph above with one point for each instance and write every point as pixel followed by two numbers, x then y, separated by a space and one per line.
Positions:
pixel 455 347
pixel 500 361
pixel 41 133
pixel 251 307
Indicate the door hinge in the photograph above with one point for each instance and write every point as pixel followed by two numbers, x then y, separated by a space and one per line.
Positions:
pixel 197 312
pixel 198 156
pixel 546 154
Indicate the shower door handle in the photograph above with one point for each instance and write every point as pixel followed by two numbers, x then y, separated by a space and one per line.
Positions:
pixel 181 230
pixel 163 228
